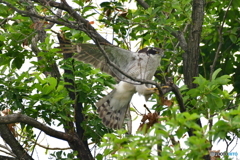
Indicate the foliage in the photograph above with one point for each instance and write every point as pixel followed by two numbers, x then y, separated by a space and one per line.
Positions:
pixel 35 89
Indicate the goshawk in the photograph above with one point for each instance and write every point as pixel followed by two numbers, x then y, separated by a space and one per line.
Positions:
pixel 141 65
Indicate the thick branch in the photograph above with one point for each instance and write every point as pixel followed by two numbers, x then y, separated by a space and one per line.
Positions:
pixel 143 4
pixel 191 55
pixel 17 117
pixel 82 24
pixel 182 40
pixel 40 36
pixel 78 107
pixel 8 137
pixel 179 98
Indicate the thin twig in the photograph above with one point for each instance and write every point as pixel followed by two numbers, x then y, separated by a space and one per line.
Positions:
pixel 228 144
pixel 52 148
pixel 212 67
pixel 53 20
pixel 7 153
pixel 136 110
pixel 43 146
pixel 6 147
pixel 235 145
pixel 145 106
pixel 35 143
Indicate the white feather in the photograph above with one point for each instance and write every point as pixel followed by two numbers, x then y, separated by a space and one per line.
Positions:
pixel 122 96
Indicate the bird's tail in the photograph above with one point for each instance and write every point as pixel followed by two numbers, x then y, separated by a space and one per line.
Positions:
pixel 112 118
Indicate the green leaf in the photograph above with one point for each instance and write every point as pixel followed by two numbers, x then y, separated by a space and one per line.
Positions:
pixel 181 131
pixel 222 80
pixel 214 101
pixel 99 157
pixel 87 8
pixel 215 73
pixel 52 81
pixel 192 116
pixel 18 62
pixel 221 128
pixel 200 80
pixel 193 92
pixel 2 38
pixel 105 4
pixel 233 38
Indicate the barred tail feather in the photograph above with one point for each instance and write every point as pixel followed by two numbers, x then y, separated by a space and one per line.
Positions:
pixel 111 117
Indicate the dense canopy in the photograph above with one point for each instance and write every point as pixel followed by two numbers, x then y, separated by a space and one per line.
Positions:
pixel 44 91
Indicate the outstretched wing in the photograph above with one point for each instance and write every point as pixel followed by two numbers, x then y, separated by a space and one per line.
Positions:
pixel 142 65
pixel 90 53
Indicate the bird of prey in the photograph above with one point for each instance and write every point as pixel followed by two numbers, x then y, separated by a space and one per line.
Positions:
pixel 141 65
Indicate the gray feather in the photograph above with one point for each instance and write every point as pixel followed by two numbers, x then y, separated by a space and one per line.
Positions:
pixel 90 53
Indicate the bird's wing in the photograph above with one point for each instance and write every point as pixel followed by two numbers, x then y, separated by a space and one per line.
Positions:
pixel 90 53
pixel 142 66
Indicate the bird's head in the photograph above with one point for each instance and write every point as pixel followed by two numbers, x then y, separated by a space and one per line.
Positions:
pixel 152 51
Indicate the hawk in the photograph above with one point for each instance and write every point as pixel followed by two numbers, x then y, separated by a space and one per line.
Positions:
pixel 141 65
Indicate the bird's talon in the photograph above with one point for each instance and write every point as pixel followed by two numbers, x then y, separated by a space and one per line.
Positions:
pixel 154 90
pixel 163 87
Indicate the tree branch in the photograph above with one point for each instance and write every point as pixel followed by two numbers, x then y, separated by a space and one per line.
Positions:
pixel 82 24
pixel 191 55
pixel 38 144
pixel 212 67
pixel 40 36
pixel 7 158
pixel 8 137
pixel 182 40
pixel 29 14
pixel 52 148
pixel 78 107
pixel 17 117
pixel 143 4
pixel 8 149
pixel 3 151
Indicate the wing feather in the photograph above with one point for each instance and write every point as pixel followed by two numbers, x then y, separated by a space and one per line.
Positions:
pixel 90 53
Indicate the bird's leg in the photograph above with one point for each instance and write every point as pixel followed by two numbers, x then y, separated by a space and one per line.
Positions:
pixel 153 90
pixel 145 91
pixel 149 91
